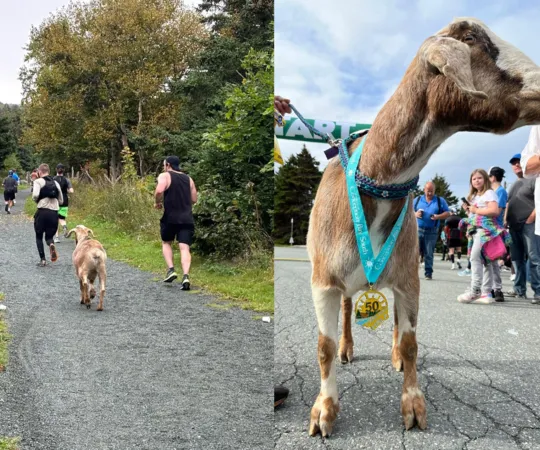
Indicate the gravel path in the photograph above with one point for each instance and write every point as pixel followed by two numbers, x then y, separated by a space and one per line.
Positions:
pixel 157 369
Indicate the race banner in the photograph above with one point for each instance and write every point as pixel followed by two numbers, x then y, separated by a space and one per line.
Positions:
pixel 294 129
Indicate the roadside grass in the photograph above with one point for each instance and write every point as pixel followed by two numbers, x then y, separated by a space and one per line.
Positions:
pixel 246 284
pixel 9 443
pixel 4 339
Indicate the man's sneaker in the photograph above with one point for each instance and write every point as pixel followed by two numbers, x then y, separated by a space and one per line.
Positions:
pixel 465 273
pixel 453 266
pixel 54 255
pixel 9 211
pixel 468 296
pixel 536 300
pixel 185 283
pixel 498 295
pixel 171 276
pixel 513 293
pixel 429 277
pixel 42 263
pixel 484 299
pixel 459 265
pixel 280 395
pixel 56 240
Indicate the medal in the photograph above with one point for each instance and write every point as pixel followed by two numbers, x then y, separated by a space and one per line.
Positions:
pixel 371 309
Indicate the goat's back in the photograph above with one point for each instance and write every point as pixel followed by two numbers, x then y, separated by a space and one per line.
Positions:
pixel 89 256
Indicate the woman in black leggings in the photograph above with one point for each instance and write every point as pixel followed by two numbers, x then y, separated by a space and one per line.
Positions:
pixel 48 195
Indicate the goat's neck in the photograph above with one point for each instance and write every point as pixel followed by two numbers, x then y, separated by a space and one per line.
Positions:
pixel 404 135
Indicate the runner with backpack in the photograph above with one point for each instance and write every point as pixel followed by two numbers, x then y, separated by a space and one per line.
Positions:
pixel 66 187
pixel 48 195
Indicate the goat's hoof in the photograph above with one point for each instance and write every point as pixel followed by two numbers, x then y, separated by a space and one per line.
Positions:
pixel 323 416
pixel 345 351
pixel 88 306
pixel 99 308
pixel 82 302
pixel 413 408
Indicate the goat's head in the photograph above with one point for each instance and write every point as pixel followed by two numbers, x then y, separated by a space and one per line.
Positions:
pixel 81 233
pixel 487 84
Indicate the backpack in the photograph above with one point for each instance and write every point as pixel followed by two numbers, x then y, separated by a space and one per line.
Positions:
pixel 50 190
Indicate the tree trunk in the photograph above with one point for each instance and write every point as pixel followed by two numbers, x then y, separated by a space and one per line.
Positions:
pixel 113 161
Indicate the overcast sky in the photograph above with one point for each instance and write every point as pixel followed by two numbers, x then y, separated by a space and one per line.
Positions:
pixel 343 59
pixel 16 20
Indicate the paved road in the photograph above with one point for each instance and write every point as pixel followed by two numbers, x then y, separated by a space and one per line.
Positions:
pixel 479 366
pixel 157 369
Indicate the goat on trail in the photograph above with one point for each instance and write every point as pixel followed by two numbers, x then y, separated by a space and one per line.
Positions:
pixel 464 78
pixel 89 260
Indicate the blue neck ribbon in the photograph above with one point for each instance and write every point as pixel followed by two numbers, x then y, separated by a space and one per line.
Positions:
pixel 373 267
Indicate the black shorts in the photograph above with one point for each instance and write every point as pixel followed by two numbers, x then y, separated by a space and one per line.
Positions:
pixel 9 195
pixel 183 232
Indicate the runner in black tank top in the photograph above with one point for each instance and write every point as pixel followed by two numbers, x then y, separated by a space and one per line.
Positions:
pixel 179 194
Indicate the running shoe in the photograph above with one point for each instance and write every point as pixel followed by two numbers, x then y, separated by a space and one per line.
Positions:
pixel 171 276
pixel 185 283
pixel 54 255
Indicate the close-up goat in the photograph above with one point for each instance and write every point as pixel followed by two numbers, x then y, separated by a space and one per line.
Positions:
pixel 89 260
pixel 464 78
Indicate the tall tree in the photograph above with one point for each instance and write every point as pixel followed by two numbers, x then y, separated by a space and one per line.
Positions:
pixel 296 186
pixel 98 76
pixel 442 189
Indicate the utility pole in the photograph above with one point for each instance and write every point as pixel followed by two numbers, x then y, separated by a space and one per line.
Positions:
pixel 291 240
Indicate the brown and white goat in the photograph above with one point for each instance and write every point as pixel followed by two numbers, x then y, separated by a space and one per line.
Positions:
pixel 89 259
pixel 464 78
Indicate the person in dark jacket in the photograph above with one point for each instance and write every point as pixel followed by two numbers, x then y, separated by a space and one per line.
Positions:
pixel 176 193
pixel 10 188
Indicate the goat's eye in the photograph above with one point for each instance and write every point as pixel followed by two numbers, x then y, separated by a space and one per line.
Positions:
pixel 469 38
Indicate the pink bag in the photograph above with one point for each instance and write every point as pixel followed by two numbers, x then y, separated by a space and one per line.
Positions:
pixel 494 249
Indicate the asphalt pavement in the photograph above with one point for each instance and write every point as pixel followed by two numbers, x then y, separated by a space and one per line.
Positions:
pixel 479 368
pixel 158 369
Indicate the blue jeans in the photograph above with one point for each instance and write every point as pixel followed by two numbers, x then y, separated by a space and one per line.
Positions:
pixel 526 243
pixel 427 238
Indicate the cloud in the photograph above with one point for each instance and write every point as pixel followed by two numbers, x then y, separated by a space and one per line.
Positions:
pixel 342 60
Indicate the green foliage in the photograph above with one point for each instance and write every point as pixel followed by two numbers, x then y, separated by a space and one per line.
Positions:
pixel 9 443
pixel 236 204
pixel 12 162
pixel 296 186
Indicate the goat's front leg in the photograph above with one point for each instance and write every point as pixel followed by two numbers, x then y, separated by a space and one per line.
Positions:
pixel 396 355
pixel 346 340
pixel 413 405
pixel 326 407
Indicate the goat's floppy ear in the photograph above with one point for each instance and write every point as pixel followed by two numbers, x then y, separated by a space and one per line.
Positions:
pixel 453 59
pixel 70 232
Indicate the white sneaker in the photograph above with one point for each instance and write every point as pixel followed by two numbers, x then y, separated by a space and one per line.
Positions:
pixel 56 240
pixel 468 296
pixel 453 266
pixel 485 299
pixel 512 277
